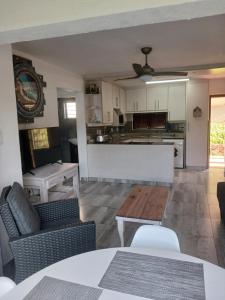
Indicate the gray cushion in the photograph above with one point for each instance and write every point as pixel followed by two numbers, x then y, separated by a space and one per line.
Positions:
pixel 25 215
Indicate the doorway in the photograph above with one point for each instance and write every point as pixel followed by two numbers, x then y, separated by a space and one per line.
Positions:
pixel 68 129
pixel 217 131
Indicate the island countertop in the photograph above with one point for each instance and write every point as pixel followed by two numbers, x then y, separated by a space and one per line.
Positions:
pixel 134 141
pixel 131 162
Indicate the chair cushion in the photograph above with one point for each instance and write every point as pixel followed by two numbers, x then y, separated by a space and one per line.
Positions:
pixel 25 215
pixel 60 223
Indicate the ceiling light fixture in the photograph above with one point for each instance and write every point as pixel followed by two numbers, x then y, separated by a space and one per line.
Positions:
pixel 146 78
pixel 166 81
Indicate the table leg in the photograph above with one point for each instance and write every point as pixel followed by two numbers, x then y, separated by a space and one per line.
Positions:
pixel 76 185
pixel 44 194
pixel 120 226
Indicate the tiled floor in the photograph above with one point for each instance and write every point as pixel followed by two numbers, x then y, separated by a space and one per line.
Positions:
pixel 216 161
pixel 192 212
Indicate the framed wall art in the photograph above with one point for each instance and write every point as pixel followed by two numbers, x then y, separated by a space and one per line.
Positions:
pixel 29 90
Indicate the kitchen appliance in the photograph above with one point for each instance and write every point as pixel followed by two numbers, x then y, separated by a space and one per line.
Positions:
pixel 156 120
pixel 121 119
pixel 146 72
pixel 178 152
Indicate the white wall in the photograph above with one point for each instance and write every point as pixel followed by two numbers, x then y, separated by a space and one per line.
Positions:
pixel 81 135
pixel 197 128
pixel 38 21
pixel 35 14
pixel 10 165
pixel 217 87
pixel 59 80
pixel 131 162
pixel 55 78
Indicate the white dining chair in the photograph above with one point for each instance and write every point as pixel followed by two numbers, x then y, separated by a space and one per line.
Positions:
pixel 154 236
pixel 6 285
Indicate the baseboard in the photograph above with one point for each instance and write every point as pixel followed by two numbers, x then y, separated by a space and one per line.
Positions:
pixel 197 168
pixel 128 181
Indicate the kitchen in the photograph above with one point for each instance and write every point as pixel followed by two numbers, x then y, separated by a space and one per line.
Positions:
pixel 135 133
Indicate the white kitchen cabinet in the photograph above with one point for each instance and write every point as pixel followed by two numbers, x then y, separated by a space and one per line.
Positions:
pixel 93 103
pixel 136 100
pixel 157 97
pixel 177 102
pixel 116 96
pixel 122 95
pixel 107 103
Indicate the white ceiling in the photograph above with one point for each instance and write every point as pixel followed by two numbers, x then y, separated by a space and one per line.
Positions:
pixel 176 45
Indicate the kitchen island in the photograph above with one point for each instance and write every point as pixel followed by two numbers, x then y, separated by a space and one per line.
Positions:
pixel 131 162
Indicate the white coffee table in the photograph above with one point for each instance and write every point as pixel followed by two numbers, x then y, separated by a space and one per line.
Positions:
pixel 46 177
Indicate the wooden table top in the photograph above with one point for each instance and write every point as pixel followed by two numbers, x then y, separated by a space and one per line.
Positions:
pixel 145 202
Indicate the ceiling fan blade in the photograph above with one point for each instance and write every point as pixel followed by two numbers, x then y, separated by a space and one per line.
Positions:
pixel 127 78
pixel 138 69
pixel 168 73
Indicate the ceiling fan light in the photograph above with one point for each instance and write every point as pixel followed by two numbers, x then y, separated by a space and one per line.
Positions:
pixel 167 81
pixel 146 78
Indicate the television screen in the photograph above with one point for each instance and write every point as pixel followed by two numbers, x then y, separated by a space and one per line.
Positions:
pixel 39 146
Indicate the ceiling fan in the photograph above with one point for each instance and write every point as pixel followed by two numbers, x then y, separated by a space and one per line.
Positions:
pixel 146 72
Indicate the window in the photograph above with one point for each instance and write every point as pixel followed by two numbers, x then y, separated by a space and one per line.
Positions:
pixel 70 111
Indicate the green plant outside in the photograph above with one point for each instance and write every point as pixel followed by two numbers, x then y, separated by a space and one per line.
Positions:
pixel 217 133
pixel 217 139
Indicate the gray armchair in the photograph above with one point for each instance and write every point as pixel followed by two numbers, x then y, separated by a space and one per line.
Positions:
pixel 61 235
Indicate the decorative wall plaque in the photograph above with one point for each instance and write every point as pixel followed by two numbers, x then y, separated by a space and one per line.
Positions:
pixel 197 112
pixel 29 90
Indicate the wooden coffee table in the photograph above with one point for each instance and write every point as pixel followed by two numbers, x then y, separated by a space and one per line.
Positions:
pixel 144 204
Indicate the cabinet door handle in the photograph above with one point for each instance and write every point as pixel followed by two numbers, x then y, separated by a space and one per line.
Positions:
pixel 155 104
pixel 134 105
pixel 158 104
pixel 137 106
pixel 108 116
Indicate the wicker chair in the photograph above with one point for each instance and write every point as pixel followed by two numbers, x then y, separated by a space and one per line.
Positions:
pixel 62 235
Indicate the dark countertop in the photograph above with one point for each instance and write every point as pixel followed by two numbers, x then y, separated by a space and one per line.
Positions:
pixel 134 138
pixel 132 143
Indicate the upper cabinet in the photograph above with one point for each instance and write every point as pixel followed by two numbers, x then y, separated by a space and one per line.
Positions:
pixel 103 102
pixel 93 105
pixel 136 100
pixel 157 97
pixel 170 98
pixel 177 102
pixel 116 96
pixel 107 103
pixel 104 105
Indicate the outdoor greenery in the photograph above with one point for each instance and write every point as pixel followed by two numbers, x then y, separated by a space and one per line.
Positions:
pixel 217 139
pixel 217 133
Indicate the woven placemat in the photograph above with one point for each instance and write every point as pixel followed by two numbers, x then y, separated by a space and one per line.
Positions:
pixel 154 277
pixel 54 289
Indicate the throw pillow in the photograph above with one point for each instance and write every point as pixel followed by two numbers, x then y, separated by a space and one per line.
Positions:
pixel 25 215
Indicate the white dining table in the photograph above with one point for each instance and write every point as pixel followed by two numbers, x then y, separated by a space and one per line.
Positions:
pixel 89 268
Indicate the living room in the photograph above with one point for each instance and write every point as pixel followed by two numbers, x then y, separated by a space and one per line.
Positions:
pixel 140 151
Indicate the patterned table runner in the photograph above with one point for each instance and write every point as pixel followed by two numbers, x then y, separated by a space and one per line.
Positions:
pixel 154 277
pixel 54 289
